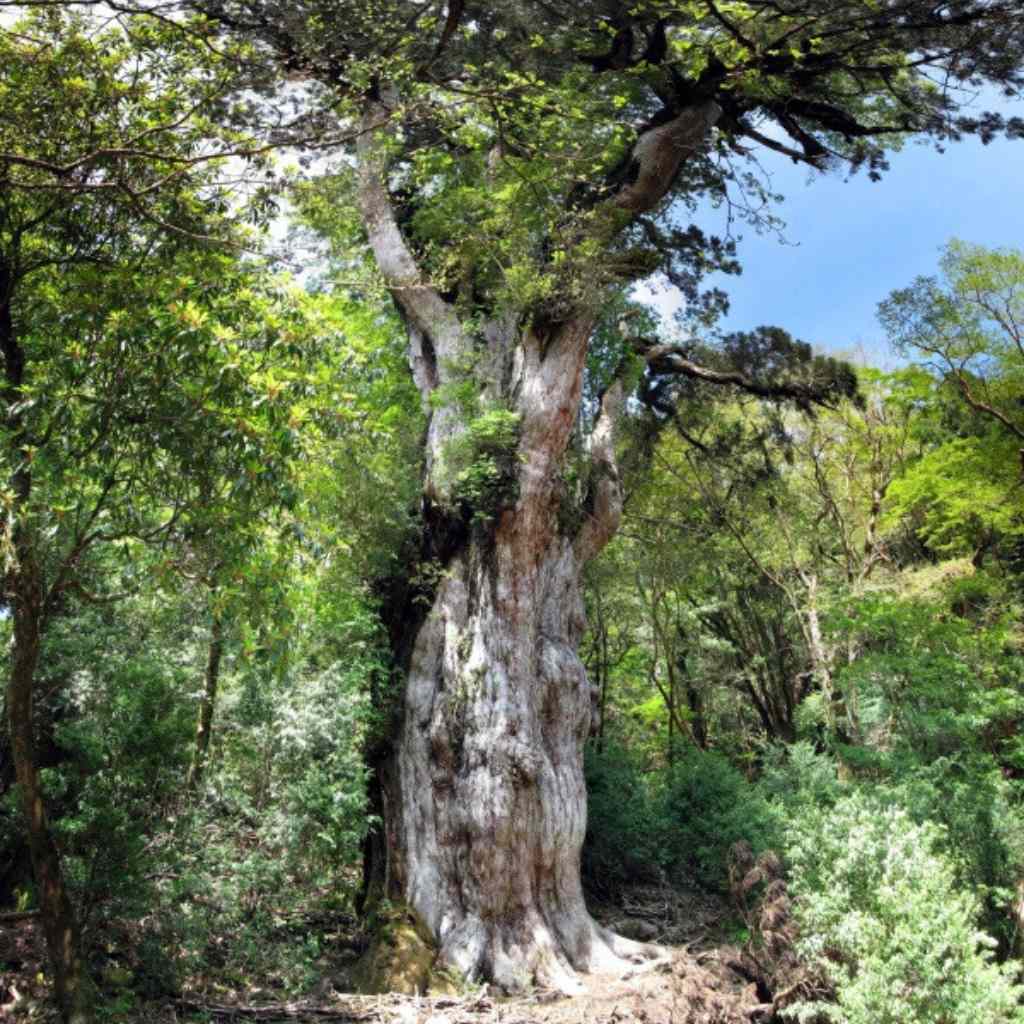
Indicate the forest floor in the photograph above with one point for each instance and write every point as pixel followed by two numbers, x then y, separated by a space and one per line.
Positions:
pixel 698 980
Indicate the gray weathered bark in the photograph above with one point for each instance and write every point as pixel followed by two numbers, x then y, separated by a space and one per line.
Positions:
pixel 485 809
pixel 492 809
pixel 481 789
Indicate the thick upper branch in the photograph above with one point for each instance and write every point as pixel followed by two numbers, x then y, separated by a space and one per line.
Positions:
pixel 660 152
pixel 434 319
pixel 606 487
pixel 673 359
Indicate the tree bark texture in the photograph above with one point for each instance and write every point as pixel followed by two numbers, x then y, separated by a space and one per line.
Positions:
pixel 490 811
pixel 481 789
pixel 207 703
pixel 56 913
pixel 484 802
pixel 15 866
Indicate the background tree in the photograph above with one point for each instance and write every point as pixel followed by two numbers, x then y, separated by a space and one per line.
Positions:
pixel 967 327
pixel 111 193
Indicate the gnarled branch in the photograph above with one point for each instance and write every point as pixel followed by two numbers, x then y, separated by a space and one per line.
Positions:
pixel 606 488
pixel 670 359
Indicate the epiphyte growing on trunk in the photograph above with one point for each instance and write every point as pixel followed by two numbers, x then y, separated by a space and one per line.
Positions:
pixel 479 464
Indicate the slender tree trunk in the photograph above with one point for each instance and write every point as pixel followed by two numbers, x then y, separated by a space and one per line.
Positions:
pixel 821 656
pixel 1017 916
pixel 71 984
pixel 25 593
pixel 207 702
pixel 15 865
pixel 601 672
pixel 873 550
pixel 694 697
pixel 671 702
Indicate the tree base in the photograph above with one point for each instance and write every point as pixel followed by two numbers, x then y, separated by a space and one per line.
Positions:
pixel 401 957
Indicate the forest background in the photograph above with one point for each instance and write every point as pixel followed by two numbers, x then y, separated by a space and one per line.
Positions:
pixel 804 641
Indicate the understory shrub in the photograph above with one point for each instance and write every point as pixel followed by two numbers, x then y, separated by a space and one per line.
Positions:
pixel 882 918
pixel 899 878
pixel 123 735
pixel 677 824
pixel 621 843
pixel 274 839
pixel 798 777
pixel 703 807
pixel 982 831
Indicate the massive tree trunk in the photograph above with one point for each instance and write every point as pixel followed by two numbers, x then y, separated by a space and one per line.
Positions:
pixel 486 807
pixel 481 788
pixel 489 812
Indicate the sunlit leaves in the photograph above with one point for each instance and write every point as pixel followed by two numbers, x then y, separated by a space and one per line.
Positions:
pixel 967 328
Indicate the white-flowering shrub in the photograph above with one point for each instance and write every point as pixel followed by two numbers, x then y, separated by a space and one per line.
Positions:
pixel 881 917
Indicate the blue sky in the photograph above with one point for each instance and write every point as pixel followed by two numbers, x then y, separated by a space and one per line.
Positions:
pixel 849 243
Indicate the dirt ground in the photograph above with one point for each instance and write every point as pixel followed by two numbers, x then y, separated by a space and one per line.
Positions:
pixel 682 988
pixel 698 980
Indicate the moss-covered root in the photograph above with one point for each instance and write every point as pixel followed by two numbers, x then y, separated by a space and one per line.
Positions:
pixel 401 958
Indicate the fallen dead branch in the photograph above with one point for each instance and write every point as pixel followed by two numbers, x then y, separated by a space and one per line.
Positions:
pixel 355 1009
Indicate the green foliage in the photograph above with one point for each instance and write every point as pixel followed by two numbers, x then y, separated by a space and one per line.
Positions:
pixel 799 778
pixel 957 496
pixel 221 885
pixel 780 581
pixel 882 918
pixel 622 833
pixel 930 681
pixel 680 823
pixel 360 424
pixel 115 755
pixel 126 742
pixel 976 811
pixel 933 709
pixel 982 825
pixel 965 326
pixel 296 763
pixel 480 463
pixel 704 807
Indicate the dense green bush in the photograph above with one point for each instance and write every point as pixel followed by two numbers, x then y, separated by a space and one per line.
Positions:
pixel 930 682
pixel 273 840
pixel 882 917
pixel 798 777
pixel 622 843
pixel 123 735
pixel 677 824
pixel 314 797
pixel 982 828
pixel 703 806
pixel 894 878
